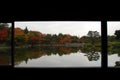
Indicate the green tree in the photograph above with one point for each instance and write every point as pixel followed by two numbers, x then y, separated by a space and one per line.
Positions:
pixel 93 56
pixel 19 40
pixel 117 33
pixel 84 39
pixel 74 39
pixel 93 35
pixel 60 35
pixel 54 38
pixel 48 36
pixel 47 39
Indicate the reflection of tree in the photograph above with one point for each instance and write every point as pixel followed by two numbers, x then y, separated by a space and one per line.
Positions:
pixel 117 64
pixel 25 54
pixel 28 53
pixel 91 53
pixel 33 53
pixel 114 50
pixel 93 56
pixel 5 56
pixel 26 61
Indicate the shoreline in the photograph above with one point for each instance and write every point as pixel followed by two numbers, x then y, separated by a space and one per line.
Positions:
pixel 54 45
pixel 57 45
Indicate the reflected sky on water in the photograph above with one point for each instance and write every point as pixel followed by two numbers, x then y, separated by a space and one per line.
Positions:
pixel 112 60
pixel 76 59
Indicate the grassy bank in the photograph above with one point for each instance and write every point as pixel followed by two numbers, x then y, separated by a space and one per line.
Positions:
pixel 113 44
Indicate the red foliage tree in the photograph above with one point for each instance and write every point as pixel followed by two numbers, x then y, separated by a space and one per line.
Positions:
pixel 3 34
pixel 66 39
pixel 34 40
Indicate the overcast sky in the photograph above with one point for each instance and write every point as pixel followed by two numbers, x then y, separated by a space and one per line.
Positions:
pixel 112 26
pixel 9 24
pixel 77 28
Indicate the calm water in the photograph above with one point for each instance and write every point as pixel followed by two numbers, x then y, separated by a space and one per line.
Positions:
pixel 5 56
pixel 114 57
pixel 57 57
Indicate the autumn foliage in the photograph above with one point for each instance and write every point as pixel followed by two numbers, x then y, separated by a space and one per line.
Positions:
pixel 23 38
pixel 18 32
pixel 36 38
pixel 5 34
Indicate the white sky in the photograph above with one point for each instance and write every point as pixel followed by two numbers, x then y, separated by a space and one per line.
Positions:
pixel 77 28
pixel 112 26
pixel 9 24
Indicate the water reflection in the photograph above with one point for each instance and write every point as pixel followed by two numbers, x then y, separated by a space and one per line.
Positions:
pixel 114 57
pixel 5 56
pixel 92 53
pixel 26 54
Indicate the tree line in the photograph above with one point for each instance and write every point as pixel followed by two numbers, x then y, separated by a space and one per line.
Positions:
pixel 90 53
pixel 26 37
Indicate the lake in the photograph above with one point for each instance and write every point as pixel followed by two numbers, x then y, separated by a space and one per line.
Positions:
pixel 114 57
pixel 5 56
pixel 50 57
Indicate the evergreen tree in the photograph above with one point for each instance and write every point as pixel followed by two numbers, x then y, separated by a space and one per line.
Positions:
pixel 26 30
